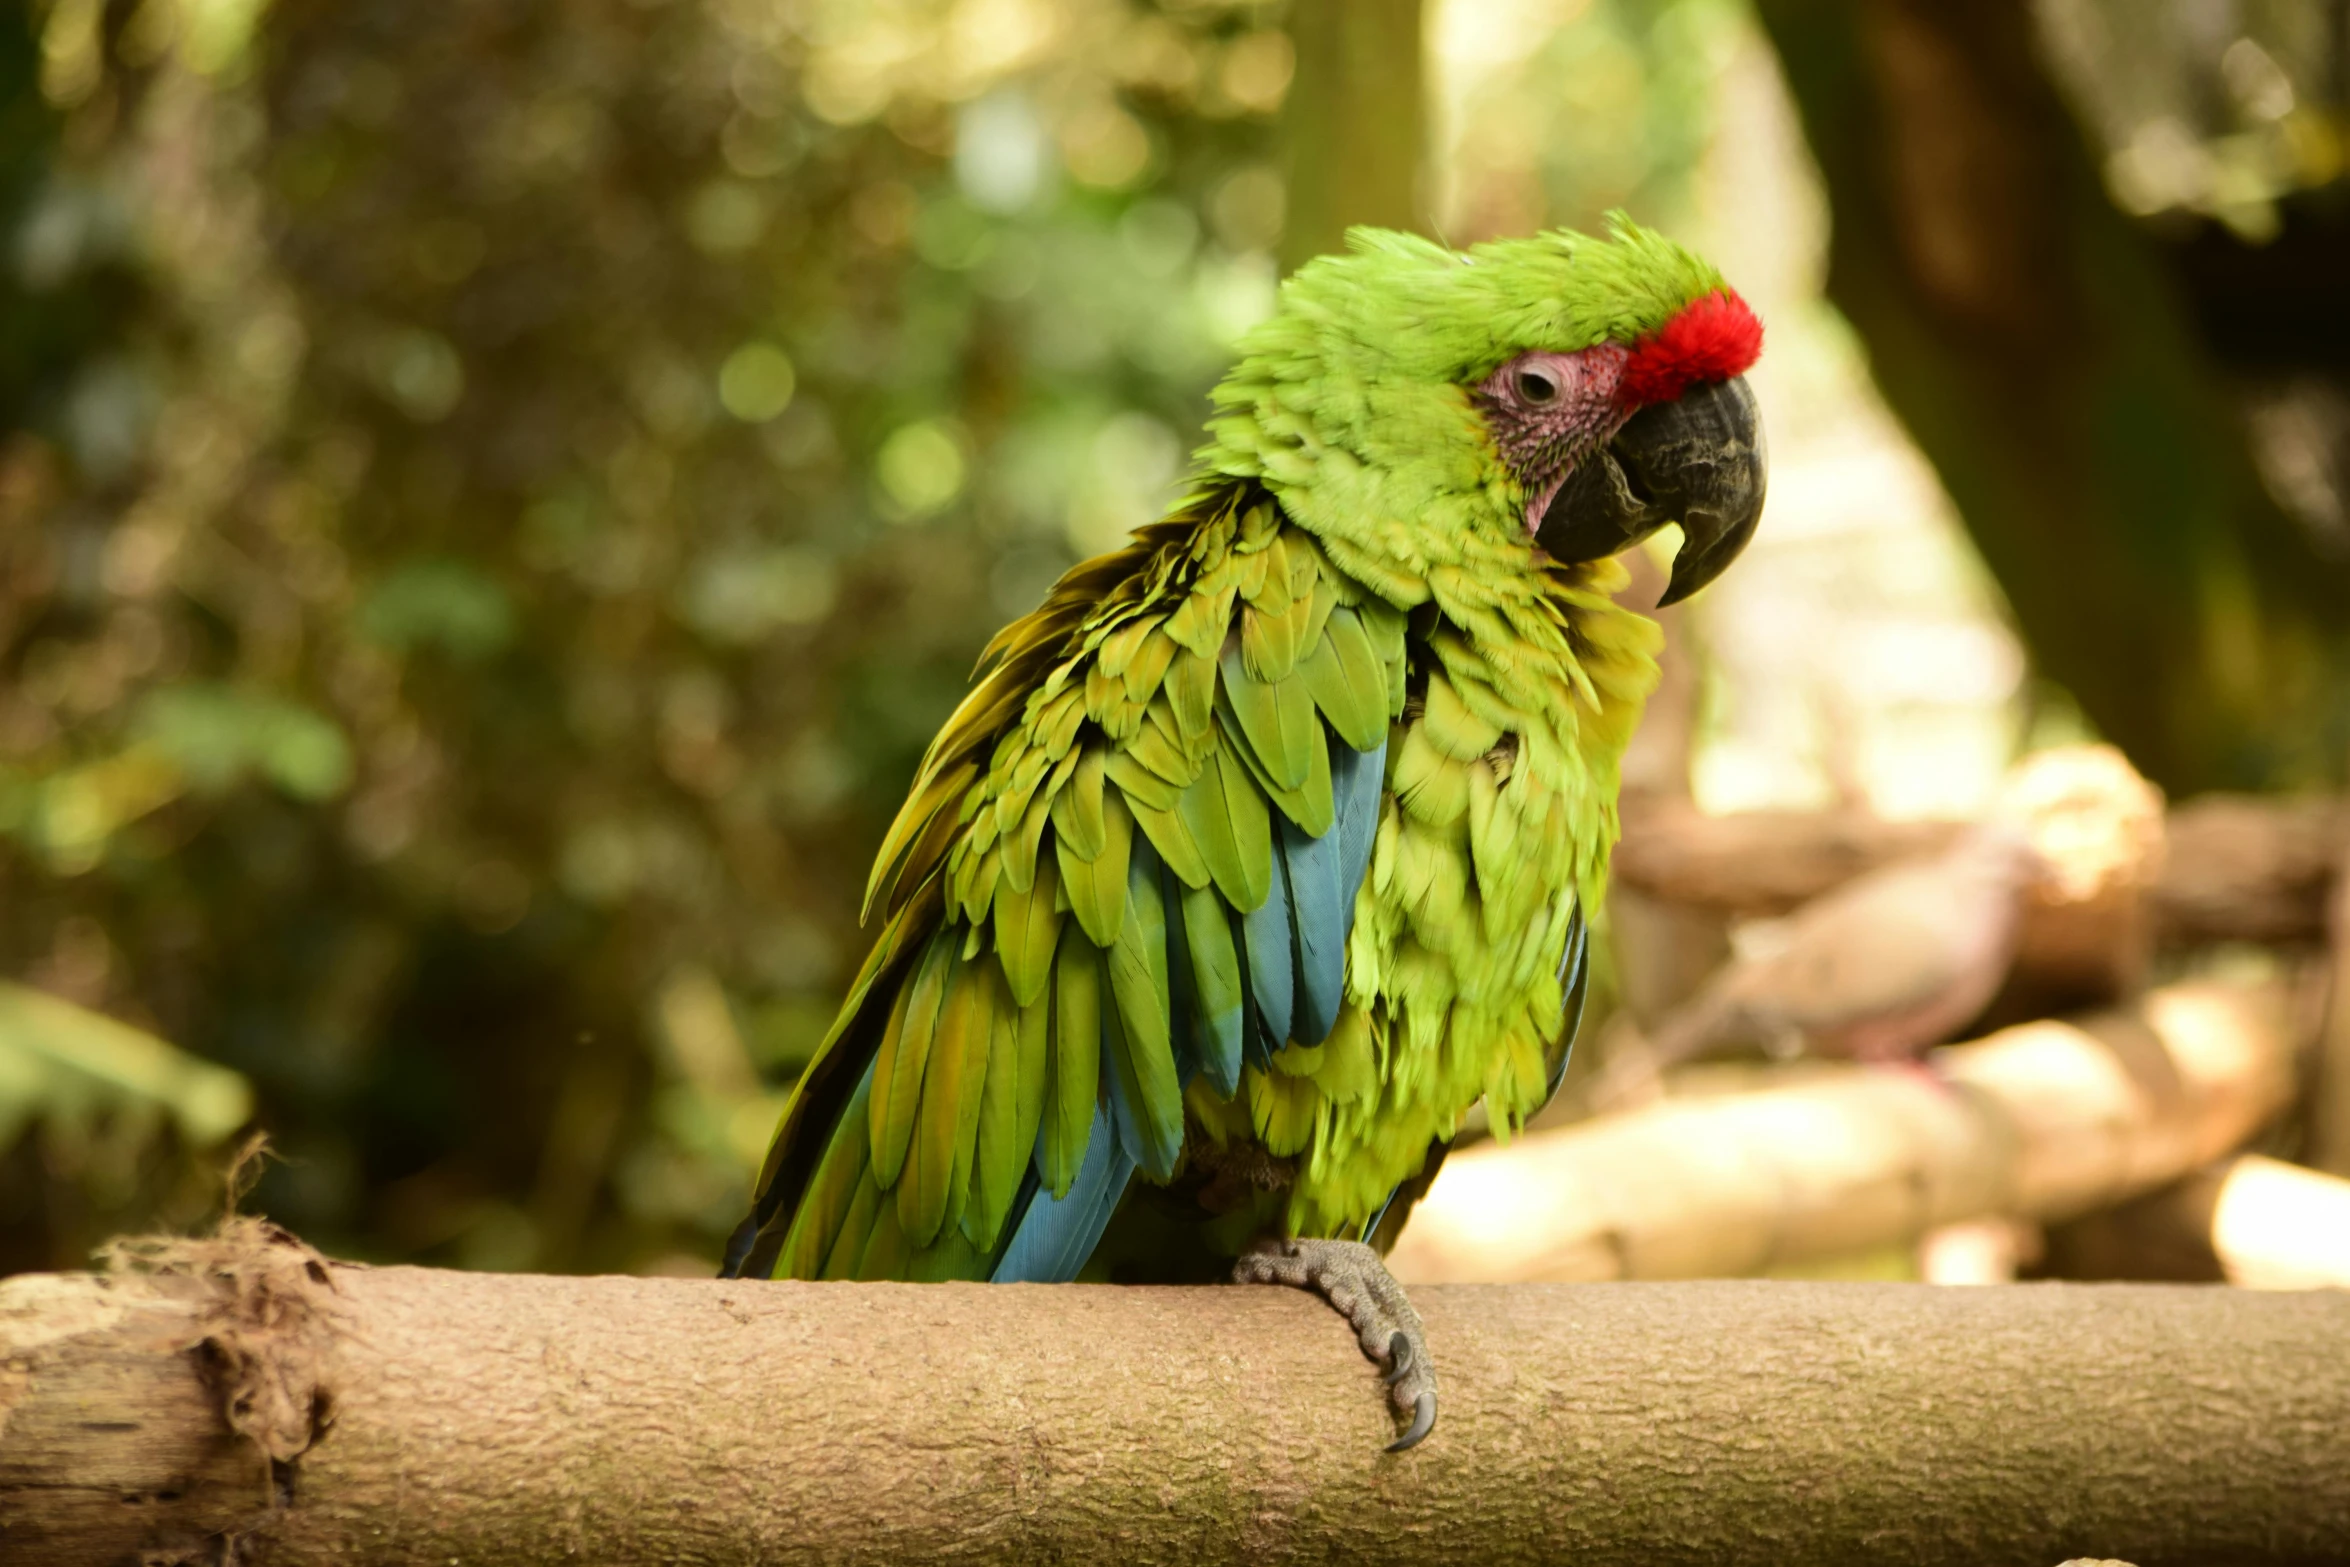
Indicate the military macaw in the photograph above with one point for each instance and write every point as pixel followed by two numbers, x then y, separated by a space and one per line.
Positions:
pixel 1263 849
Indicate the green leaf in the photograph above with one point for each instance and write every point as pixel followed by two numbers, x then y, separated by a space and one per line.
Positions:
pixel 219 735
pixel 444 604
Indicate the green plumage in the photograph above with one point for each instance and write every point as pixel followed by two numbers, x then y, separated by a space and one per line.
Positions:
pixel 1074 1063
pixel 1166 751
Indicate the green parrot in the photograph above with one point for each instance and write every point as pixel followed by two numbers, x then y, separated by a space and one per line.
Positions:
pixel 1261 852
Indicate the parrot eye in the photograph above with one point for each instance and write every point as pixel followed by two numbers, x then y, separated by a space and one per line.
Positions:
pixel 1537 387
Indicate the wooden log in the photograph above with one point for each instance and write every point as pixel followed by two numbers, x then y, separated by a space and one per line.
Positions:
pixel 2325 1116
pixel 2044 1120
pixel 2251 868
pixel 2236 867
pixel 1760 862
pixel 2251 1221
pixel 244 1401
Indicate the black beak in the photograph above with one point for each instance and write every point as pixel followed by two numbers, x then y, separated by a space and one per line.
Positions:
pixel 1698 461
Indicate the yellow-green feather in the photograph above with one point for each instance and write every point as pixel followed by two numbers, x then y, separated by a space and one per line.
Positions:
pixel 1073 1061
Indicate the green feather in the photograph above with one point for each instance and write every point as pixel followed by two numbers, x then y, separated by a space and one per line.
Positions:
pixel 841 1259
pixel 1430 786
pixel 1096 887
pixel 1138 783
pixel 1320 603
pixel 1077 807
pixel 831 1195
pixel 1027 926
pixel 1269 643
pixel 1173 841
pixel 1229 821
pixel 1118 648
pixel 1007 1126
pixel 917 821
pixel 1348 682
pixel 899 1067
pixel 1191 691
pixel 1310 804
pixel 1277 719
pixel 1155 747
pixel 1150 666
pixel 938 1163
pixel 1385 626
pixel 1022 847
pixel 1139 1047
pixel 1200 621
pixel 1032 1037
pixel 1105 696
pixel 950 1257
pixel 1265 579
pixel 1449 726
pixel 887 1254
pixel 1072 1063
pixel 1057 724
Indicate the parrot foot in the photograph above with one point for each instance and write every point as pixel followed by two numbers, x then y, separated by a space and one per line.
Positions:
pixel 1350 1276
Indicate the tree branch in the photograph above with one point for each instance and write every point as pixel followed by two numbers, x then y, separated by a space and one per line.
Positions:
pixel 517 1419
pixel 2235 867
pixel 2251 1221
pixel 2045 1120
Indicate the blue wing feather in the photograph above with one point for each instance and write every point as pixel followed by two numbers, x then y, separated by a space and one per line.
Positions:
pixel 1216 1039
pixel 1271 973
pixel 1255 1048
pixel 1054 1237
pixel 1358 781
pixel 1319 907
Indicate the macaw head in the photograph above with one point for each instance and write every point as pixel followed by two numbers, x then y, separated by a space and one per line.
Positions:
pixel 1559 396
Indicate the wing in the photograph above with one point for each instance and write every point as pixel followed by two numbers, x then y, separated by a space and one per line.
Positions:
pixel 1130 859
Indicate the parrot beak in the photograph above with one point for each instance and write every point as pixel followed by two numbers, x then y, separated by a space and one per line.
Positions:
pixel 1698 461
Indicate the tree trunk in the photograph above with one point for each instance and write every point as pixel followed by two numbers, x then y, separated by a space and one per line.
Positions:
pixel 2030 340
pixel 1353 123
pixel 242 1401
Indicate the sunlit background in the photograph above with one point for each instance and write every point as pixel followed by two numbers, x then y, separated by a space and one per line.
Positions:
pixel 496 497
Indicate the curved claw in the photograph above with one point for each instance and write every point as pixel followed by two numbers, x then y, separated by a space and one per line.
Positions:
pixel 1423 1422
pixel 1399 1359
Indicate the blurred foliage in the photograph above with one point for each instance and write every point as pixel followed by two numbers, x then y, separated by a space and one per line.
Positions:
pixel 496 497
pixel 500 496
pixel 1560 111
pixel 101 1125
pixel 2218 109
pixel 500 499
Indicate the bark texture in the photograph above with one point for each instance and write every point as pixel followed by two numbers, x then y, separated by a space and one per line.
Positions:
pixel 2045 1120
pixel 518 1419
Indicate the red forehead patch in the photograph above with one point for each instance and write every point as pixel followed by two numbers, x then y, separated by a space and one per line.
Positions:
pixel 1710 339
